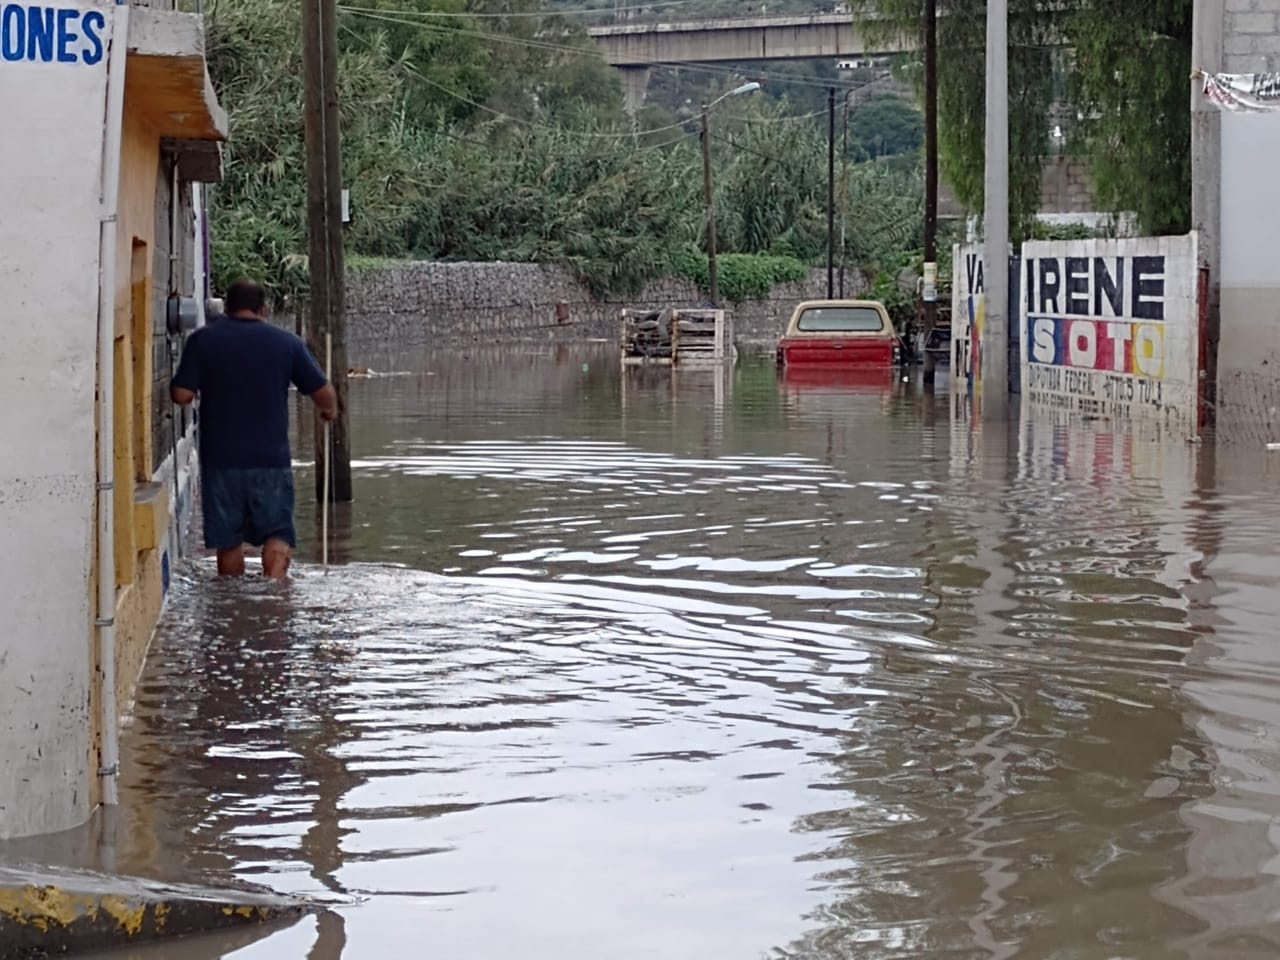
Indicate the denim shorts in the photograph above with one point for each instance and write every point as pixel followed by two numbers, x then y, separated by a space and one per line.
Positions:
pixel 247 506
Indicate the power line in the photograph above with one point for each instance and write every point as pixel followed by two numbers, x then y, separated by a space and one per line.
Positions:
pixel 850 87
pixel 796 118
pixel 745 149
pixel 691 65
pixel 620 135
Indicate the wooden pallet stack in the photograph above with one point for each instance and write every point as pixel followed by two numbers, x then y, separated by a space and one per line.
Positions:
pixel 646 336
pixel 685 338
pixel 701 337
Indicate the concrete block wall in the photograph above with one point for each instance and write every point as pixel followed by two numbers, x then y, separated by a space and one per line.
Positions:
pixel 426 304
pixel 1066 187
pixel 1251 36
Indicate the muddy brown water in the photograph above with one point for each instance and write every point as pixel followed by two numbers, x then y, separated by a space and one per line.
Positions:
pixel 698 666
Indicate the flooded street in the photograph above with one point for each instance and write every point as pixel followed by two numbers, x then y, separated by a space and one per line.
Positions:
pixel 697 666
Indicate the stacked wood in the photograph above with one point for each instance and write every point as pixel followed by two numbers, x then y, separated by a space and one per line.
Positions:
pixel 646 336
pixel 676 337
pixel 703 337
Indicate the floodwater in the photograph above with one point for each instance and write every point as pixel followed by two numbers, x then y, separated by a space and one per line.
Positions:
pixel 698 666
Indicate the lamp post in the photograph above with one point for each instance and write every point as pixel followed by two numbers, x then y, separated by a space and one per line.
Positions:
pixel 712 273
pixel 844 184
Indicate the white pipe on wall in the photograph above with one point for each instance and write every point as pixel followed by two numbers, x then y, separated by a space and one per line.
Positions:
pixel 109 767
pixel 175 412
pixel 200 247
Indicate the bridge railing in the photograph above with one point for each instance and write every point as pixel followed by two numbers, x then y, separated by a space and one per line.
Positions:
pixel 637 15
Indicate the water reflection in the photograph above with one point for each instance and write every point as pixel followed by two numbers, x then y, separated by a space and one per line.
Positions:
pixel 694 664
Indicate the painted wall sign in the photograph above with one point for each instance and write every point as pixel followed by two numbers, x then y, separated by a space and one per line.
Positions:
pixel 967 286
pixel 64 34
pixel 1110 327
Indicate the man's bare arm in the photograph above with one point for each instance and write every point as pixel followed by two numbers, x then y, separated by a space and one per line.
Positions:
pixel 326 398
pixel 181 396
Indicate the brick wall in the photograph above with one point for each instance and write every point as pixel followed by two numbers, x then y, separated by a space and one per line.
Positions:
pixel 1251 41
pixel 1066 187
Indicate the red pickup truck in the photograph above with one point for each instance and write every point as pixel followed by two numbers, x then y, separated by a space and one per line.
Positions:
pixel 840 333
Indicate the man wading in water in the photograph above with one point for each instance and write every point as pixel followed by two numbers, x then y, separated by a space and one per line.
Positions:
pixel 241 369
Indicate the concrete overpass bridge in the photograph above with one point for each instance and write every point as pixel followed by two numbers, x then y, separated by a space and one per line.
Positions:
pixel 636 47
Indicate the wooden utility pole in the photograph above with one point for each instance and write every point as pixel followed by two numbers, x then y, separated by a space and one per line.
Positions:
pixel 844 198
pixel 324 229
pixel 930 185
pixel 831 193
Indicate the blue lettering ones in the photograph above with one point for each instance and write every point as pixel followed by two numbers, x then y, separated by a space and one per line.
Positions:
pixel 38 34
pixel 65 35
pixel 13 32
pixel 93 25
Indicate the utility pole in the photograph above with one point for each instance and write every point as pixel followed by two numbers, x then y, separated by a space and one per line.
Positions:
pixel 712 274
pixel 324 229
pixel 844 198
pixel 930 185
pixel 993 385
pixel 831 193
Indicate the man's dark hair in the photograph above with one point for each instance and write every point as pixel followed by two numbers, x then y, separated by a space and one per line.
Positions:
pixel 245 295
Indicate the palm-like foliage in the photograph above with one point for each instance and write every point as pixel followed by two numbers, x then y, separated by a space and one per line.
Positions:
pixel 437 171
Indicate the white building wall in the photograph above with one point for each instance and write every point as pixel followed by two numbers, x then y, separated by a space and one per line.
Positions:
pixel 1245 184
pixel 1249 348
pixel 50 176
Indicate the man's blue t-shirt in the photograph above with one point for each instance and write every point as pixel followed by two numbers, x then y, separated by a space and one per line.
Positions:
pixel 242 370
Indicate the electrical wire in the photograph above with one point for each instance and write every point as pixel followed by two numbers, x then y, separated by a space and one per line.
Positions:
pixel 745 149
pixel 463 98
pixel 691 65
pixel 615 136
pixel 795 118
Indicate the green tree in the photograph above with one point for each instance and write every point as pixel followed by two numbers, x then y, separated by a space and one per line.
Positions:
pixel 885 126
pixel 962 92
pixel 1126 83
pixel 1131 65
pixel 546 66
pixel 448 66
pixel 504 148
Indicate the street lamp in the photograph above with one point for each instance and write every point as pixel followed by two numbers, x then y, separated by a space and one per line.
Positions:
pixel 712 272
pixel 844 188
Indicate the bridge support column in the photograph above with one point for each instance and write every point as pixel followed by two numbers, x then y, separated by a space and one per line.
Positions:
pixel 635 87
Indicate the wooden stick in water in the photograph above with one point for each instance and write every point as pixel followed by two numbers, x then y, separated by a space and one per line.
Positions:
pixel 328 458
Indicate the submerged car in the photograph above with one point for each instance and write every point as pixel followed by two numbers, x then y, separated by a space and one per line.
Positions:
pixel 830 378
pixel 840 333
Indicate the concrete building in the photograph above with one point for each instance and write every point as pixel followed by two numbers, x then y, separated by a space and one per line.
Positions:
pixel 1236 210
pixel 110 126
